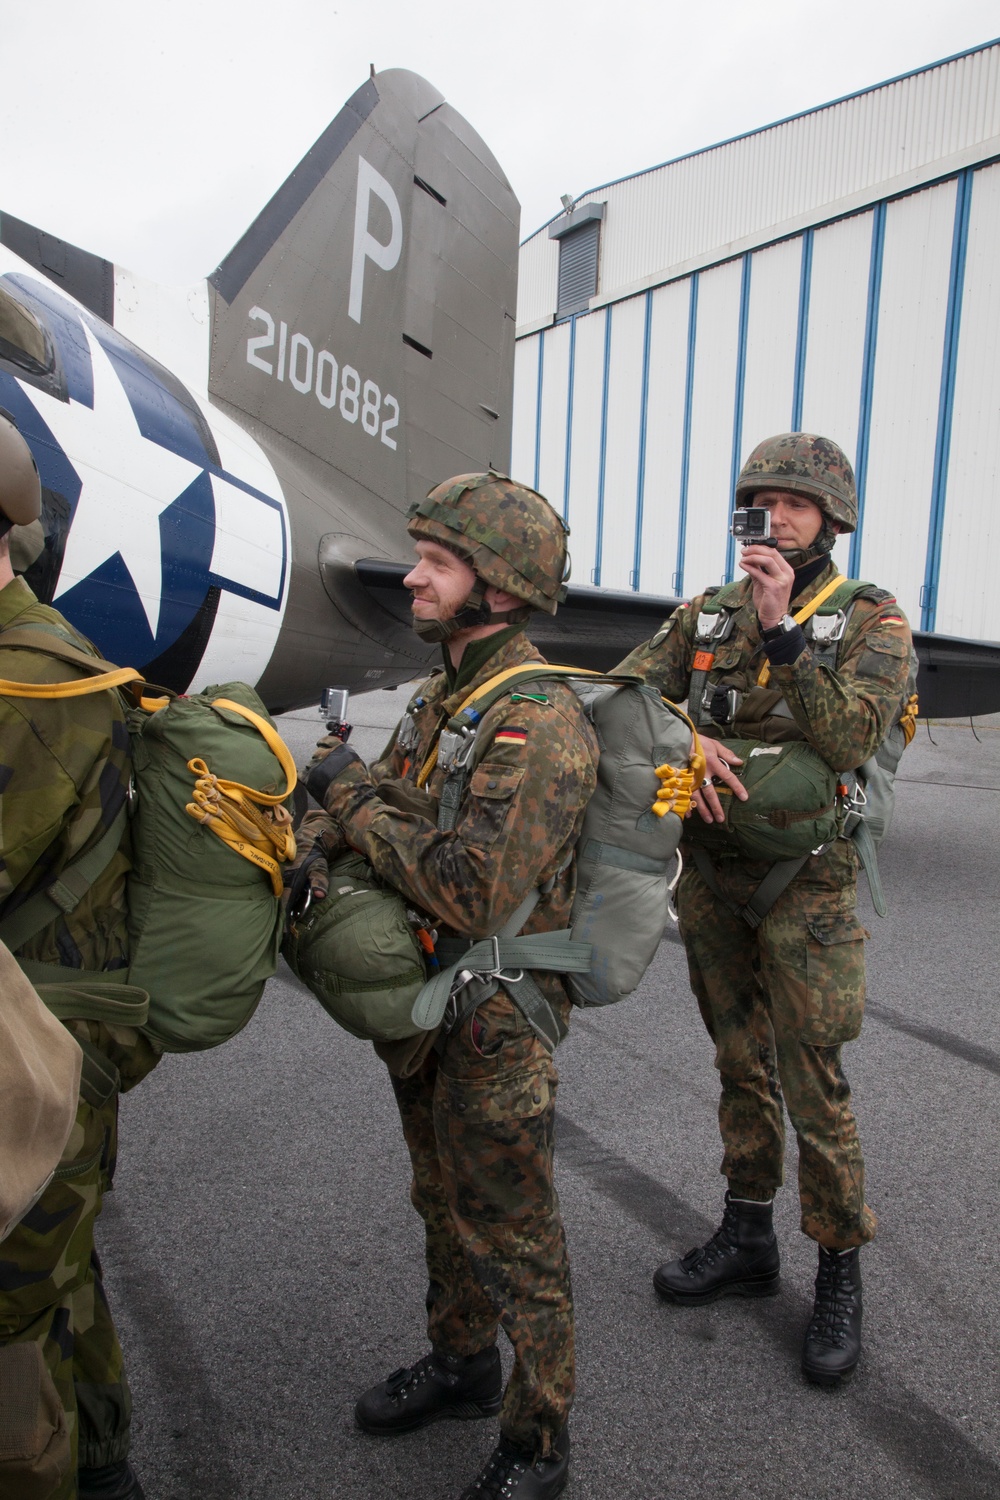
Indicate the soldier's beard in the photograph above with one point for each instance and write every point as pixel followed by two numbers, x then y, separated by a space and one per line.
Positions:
pixel 821 544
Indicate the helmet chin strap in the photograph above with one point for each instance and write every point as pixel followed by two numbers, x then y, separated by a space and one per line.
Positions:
pixel 475 611
pixel 818 547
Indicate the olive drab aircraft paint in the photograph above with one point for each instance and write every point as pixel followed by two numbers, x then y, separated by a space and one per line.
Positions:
pixel 226 468
pixel 356 344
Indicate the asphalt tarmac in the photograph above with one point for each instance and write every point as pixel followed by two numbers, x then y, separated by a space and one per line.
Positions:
pixel 265 1265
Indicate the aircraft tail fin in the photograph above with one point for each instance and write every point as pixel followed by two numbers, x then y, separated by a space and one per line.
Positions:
pixel 367 315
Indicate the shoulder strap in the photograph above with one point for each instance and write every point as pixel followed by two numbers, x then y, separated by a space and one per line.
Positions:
pixel 466 719
pixel 51 642
pixel 846 592
pixel 66 891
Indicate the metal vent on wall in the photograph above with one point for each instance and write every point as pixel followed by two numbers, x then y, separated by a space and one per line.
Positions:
pixel 578 268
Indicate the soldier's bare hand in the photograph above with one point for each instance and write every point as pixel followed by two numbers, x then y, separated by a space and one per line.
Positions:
pixel 717 771
pixel 773 579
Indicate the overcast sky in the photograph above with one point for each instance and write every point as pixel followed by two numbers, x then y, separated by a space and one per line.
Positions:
pixel 153 133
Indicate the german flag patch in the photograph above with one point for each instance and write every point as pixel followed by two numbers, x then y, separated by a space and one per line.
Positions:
pixel 510 736
pixel 891 619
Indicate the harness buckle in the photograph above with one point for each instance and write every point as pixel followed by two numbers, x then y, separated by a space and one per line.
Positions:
pixel 455 748
pixel 720 703
pixel 714 625
pixel 829 628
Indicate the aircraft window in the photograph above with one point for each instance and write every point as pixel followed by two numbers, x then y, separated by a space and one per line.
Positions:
pixel 22 338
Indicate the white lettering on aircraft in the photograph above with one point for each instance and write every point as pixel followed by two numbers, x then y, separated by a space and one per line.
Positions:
pixel 308 372
pixel 366 246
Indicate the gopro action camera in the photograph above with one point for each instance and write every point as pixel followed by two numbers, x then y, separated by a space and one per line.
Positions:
pixel 752 525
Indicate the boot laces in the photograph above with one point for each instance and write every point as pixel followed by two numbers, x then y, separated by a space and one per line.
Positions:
pixel 399 1384
pixel 723 1242
pixel 836 1301
pixel 500 1477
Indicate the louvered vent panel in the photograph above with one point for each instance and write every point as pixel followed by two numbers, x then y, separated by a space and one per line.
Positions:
pixel 578 268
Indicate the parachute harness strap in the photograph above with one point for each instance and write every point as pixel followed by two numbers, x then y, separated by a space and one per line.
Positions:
pixel 801 616
pixel 251 822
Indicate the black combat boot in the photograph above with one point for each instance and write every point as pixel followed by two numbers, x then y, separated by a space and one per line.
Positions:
pixel 513 1474
pixel 741 1259
pixel 833 1339
pixel 439 1385
pixel 111 1482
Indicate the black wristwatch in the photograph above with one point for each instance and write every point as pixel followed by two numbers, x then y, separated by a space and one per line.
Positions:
pixel 785 626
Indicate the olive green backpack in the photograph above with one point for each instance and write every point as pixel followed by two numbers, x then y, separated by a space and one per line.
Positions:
pixel 207 833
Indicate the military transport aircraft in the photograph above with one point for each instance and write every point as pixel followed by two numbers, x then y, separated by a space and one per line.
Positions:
pixel 226 468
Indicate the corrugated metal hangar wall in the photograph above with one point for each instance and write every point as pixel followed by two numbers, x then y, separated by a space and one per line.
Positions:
pixel 839 273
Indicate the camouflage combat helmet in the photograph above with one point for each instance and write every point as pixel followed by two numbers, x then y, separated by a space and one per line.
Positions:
pixel 20 489
pixel 509 535
pixel 810 465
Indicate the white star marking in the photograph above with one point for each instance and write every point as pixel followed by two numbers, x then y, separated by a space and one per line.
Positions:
pixel 127 483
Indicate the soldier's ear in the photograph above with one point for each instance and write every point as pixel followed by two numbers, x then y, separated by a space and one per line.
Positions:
pixel 499 599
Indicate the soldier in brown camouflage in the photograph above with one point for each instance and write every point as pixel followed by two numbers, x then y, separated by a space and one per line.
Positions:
pixel 477 1101
pixel 778 999
pixel 64 775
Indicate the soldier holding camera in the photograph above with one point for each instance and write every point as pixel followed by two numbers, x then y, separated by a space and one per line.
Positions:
pixel 775 950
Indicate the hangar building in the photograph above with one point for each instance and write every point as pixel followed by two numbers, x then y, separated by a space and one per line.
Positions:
pixel 836 272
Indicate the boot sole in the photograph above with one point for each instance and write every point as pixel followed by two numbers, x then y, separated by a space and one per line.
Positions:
pixel 768 1286
pixel 828 1380
pixel 462 1411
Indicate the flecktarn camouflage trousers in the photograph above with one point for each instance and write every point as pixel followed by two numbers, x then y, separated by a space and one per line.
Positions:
pixel 478 1121
pixel 778 1003
pixel 51 1289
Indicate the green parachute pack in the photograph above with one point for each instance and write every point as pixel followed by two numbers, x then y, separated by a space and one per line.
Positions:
pixel 208 833
pixel 797 804
pixel 357 949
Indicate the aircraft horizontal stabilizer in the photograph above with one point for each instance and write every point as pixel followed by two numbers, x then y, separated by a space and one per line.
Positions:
pixel 596 628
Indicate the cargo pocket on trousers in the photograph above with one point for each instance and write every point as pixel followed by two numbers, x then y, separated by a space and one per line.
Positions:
pixel 34 1439
pixel 499 1133
pixel 835 977
pixel 46 1256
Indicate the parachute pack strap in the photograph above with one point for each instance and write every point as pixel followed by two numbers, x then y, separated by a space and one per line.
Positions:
pixel 93 996
pixel 274 743
pixel 484 697
pixel 433 998
pixel 802 615
pixel 90 996
pixel 775 882
pixel 232 811
pixel 104 674
pixel 79 687
pixel 66 892
pixel 865 845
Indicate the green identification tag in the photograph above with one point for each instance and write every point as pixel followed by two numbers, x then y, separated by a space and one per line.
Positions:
pixel 528 698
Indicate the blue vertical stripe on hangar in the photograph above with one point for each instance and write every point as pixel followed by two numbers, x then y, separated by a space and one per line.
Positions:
pixel 939 481
pixel 692 344
pixel 802 332
pixel 640 479
pixel 741 376
pixel 946 404
pixel 602 468
pixel 875 264
pixel 538 406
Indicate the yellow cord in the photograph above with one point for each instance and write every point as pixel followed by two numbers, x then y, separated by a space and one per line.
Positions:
pixel 801 616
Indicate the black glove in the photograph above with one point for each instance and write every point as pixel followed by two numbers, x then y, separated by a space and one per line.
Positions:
pixel 340 761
